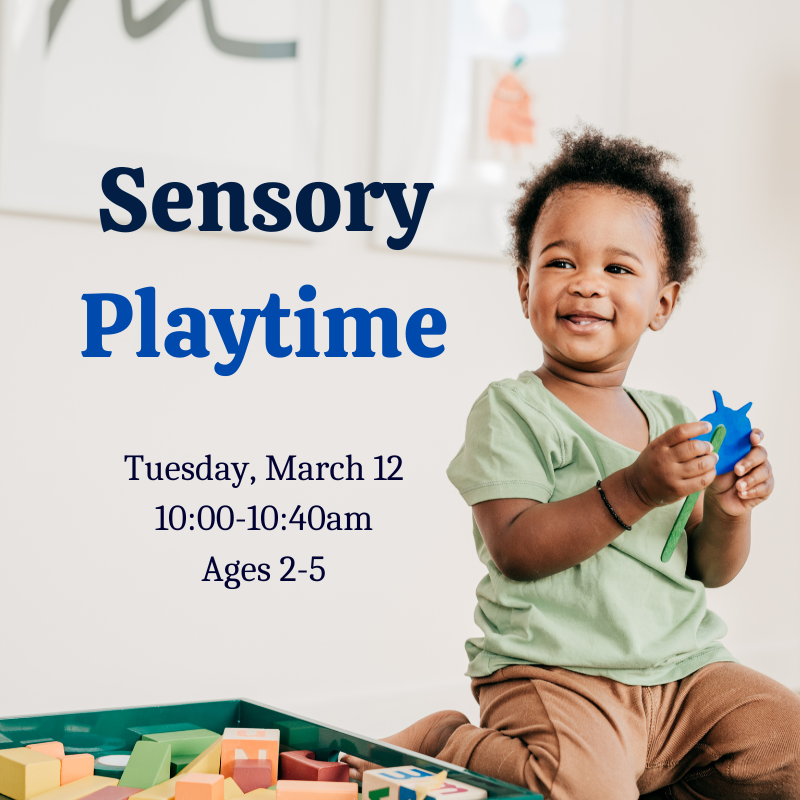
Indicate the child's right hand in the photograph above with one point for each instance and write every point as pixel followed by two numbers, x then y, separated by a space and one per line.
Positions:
pixel 674 465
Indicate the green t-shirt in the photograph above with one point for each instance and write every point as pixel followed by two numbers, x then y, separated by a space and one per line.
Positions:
pixel 622 613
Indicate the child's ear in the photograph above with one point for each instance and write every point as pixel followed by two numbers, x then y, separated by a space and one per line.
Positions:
pixel 667 298
pixel 522 283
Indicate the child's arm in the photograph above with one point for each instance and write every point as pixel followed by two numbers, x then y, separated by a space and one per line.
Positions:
pixel 529 540
pixel 719 528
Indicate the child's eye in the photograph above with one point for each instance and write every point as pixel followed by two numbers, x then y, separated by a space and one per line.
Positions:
pixel 561 264
pixel 616 269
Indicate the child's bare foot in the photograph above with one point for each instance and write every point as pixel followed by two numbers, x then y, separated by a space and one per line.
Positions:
pixel 428 736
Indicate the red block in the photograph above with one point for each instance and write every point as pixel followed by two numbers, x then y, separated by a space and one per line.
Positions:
pixel 300 765
pixel 250 774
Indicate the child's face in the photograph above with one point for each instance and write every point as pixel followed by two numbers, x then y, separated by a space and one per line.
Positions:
pixel 596 278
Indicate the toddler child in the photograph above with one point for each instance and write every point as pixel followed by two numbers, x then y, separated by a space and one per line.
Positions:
pixel 600 674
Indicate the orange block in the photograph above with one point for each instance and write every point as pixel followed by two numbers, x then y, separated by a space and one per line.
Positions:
pixel 241 743
pixel 316 790
pixel 73 767
pixel 55 749
pixel 200 786
pixel 76 766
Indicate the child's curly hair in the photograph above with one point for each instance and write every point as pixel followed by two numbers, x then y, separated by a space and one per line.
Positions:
pixel 588 156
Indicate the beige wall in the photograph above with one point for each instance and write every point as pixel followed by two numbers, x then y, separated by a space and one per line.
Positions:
pixel 381 640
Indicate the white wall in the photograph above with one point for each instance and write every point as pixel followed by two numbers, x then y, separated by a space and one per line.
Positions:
pixel 100 610
pixel 719 84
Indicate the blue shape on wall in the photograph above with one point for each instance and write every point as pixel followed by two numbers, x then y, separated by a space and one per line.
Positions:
pixel 737 437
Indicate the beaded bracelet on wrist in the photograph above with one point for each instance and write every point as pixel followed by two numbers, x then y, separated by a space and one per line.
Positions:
pixel 608 506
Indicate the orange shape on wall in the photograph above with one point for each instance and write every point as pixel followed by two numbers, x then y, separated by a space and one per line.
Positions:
pixel 510 117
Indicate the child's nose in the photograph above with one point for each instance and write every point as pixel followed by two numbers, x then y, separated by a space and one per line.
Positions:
pixel 586 284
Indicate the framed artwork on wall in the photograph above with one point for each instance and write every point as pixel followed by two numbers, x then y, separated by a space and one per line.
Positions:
pixel 189 90
pixel 471 93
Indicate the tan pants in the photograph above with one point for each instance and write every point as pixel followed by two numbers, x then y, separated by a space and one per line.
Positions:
pixel 726 732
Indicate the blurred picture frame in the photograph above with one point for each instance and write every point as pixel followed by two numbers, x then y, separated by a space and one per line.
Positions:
pixel 471 93
pixel 189 90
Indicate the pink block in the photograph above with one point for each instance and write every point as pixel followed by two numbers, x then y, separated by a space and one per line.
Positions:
pixel 250 774
pixel 113 793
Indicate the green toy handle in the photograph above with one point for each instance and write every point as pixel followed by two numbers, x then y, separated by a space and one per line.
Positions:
pixel 689 504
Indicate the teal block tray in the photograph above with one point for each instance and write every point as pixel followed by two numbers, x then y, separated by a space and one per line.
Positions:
pixel 112 730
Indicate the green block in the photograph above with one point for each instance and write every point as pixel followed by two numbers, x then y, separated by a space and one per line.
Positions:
pixel 178 763
pixel 142 730
pixel 148 766
pixel 184 743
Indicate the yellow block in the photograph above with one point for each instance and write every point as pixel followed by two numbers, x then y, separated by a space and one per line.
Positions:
pixel 161 791
pixel 79 788
pixel 25 773
pixel 232 789
pixel 260 794
pixel 207 762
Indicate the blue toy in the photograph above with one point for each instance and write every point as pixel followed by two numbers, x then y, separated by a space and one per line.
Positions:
pixel 737 433
pixel 730 438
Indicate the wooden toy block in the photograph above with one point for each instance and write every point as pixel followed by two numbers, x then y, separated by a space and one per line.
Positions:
pixel 161 791
pixel 177 763
pixel 377 784
pixel 25 772
pixel 252 773
pixel 78 789
pixel 148 765
pixel 112 793
pixel 73 767
pixel 231 789
pixel 207 761
pixel 315 790
pixel 261 794
pixel 146 730
pixel 76 766
pixel 242 743
pixel 184 743
pixel 301 765
pixel 455 789
pixel 54 749
pixel 401 783
pixel 200 786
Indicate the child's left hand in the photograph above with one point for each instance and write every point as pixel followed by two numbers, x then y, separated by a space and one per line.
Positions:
pixel 751 482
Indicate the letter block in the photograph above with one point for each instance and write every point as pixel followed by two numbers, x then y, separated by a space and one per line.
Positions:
pixel 25 773
pixel 399 784
pixel 242 743
pixel 73 767
pixel 378 784
pixel 250 774
pixel 148 765
pixel 451 788
pixel 200 786
pixel 301 765
pixel 316 790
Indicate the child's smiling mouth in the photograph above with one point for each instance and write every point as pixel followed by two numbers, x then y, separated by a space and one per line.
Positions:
pixel 583 321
